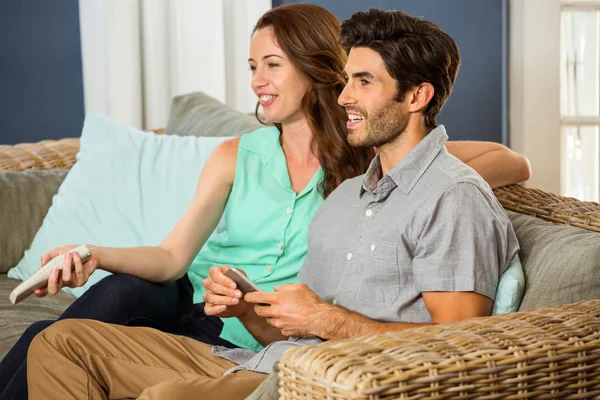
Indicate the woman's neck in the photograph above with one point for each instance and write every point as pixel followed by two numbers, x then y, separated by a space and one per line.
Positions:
pixel 296 141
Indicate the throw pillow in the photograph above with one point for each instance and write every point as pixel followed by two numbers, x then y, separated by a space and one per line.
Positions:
pixel 561 263
pixel 127 188
pixel 197 114
pixel 511 287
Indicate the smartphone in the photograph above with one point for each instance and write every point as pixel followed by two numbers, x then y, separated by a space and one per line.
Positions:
pixel 242 281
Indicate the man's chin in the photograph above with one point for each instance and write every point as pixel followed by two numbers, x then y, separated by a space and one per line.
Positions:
pixel 356 138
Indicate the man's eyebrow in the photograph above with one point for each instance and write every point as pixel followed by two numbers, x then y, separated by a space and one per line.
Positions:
pixel 267 56
pixel 363 74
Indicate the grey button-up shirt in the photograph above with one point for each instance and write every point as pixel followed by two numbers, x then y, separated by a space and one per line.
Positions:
pixel 377 243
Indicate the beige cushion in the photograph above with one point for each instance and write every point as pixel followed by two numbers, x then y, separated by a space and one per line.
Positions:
pixel 561 263
pixel 25 198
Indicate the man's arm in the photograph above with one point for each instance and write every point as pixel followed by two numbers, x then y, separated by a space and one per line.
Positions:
pixel 443 307
pixel 298 311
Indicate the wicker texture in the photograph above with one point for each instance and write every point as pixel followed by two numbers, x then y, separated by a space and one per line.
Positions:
pixel 549 353
pixel 47 154
pixel 548 206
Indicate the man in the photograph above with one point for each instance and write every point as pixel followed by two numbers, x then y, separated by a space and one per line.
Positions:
pixel 419 239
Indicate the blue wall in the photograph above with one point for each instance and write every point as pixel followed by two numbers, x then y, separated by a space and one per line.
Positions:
pixel 477 109
pixel 41 88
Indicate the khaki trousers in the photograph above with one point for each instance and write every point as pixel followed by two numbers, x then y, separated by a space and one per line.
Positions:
pixel 85 359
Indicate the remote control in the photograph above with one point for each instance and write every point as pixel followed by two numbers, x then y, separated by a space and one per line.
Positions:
pixel 40 278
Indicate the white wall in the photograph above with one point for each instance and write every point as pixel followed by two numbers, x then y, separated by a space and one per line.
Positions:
pixel 534 85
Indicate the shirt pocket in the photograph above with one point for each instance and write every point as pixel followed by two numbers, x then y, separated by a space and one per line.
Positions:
pixel 375 273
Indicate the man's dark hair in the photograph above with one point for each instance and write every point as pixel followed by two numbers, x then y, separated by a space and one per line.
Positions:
pixel 414 51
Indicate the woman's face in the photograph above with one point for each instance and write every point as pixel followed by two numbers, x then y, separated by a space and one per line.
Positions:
pixel 277 83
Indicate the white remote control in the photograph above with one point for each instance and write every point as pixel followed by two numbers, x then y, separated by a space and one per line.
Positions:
pixel 40 278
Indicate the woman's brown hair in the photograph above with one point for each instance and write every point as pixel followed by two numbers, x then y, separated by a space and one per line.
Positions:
pixel 309 36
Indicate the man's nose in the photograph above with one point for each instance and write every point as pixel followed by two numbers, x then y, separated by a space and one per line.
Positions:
pixel 346 97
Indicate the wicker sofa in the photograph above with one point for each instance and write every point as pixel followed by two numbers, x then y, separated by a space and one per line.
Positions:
pixel 550 349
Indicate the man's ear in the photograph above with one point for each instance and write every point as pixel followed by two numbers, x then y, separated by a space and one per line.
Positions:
pixel 421 96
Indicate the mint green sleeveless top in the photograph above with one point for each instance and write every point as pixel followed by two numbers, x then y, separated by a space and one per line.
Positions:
pixel 264 229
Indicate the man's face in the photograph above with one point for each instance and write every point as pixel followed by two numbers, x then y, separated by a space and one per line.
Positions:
pixel 374 117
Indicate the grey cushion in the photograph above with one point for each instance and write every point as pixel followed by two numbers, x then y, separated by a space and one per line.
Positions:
pixel 267 390
pixel 561 263
pixel 25 197
pixel 15 319
pixel 197 114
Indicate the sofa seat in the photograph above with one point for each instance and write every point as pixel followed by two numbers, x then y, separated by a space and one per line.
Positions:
pixel 15 320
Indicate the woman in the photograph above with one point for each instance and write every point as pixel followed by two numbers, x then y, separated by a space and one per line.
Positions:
pixel 269 183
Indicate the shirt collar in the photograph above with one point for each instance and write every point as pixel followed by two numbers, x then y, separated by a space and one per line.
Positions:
pixel 411 168
pixel 266 143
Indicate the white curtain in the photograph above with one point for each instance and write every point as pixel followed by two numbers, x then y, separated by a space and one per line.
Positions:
pixel 138 54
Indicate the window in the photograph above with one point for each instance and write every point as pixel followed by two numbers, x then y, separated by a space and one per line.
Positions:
pixel 580 98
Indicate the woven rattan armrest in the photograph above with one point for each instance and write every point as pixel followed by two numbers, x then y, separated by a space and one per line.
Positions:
pixel 549 353
pixel 47 154
pixel 550 207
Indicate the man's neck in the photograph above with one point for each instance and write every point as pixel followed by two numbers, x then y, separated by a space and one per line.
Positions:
pixel 392 153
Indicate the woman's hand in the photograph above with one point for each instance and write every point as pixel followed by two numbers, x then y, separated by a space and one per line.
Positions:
pixel 74 273
pixel 222 298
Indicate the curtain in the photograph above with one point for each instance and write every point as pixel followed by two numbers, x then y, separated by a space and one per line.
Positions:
pixel 138 54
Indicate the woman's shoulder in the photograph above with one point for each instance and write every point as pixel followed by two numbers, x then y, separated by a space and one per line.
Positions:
pixel 260 139
pixel 224 158
pixel 228 149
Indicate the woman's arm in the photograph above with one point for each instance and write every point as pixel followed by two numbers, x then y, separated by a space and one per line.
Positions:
pixel 170 259
pixel 496 163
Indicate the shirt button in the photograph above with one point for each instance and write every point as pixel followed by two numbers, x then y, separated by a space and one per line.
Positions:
pixel 372 247
pixel 334 302
pixel 289 210
pixel 349 256
pixel 270 268
pixel 280 246
pixel 368 213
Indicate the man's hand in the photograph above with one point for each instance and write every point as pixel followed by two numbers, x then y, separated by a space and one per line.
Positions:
pixel 292 308
pixel 222 298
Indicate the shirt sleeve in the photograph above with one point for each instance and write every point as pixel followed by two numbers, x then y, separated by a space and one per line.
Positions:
pixel 464 243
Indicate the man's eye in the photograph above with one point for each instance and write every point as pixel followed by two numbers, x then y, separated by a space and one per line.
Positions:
pixel 364 82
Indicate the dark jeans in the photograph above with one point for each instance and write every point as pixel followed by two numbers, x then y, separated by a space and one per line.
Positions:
pixel 123 300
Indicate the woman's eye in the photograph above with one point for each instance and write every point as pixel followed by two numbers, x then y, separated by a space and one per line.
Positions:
pixel 272 65
pixel 252 68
